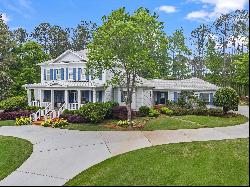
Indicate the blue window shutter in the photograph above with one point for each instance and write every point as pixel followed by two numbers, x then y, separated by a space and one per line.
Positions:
pixel 67 73
pixel 175 96
pixel 62 73
pixel 91 92
pixel 51 74
pixel 44 74
pixel 79 73
pixel 54 74
pixel 211 98
pixel 74 74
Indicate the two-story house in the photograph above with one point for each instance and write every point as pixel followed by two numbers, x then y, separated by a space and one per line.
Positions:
pixel 65 82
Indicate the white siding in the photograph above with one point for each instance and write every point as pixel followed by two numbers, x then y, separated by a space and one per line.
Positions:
pixel 148 97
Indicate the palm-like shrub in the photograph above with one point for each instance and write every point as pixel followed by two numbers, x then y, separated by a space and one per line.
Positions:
pixel 227 98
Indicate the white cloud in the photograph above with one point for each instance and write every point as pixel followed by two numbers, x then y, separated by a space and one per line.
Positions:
pixel 202 15
pixel 5 18
pixel 167 9
pixel 218 7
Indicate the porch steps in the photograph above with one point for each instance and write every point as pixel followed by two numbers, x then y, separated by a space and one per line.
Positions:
pixel 39 122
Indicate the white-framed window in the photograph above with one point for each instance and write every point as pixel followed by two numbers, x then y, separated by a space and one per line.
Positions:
pixel 70 73
pixel 124 96
pixel 204 97
pixel 58 74
pixel 82 73
pixel 48 74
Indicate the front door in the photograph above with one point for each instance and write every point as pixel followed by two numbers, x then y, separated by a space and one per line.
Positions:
pixel 58 98
pixel 162 98
pixel 72 96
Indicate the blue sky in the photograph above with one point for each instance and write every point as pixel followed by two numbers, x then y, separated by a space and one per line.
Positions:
pixel 68 13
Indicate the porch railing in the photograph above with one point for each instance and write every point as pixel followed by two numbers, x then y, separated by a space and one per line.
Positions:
pixel 35 103
pixel 72 106
pixel 61 109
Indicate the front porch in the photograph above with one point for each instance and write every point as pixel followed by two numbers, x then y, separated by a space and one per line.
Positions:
pixel 71 99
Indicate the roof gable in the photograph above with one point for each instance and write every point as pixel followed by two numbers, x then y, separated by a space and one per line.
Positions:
pixel 68 56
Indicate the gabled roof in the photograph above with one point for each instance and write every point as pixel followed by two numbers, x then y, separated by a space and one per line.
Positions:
pixel 82 54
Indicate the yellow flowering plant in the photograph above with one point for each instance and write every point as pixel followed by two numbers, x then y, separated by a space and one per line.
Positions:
pixel 23 121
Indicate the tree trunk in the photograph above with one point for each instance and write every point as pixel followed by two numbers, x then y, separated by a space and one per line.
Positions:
pixel 129 114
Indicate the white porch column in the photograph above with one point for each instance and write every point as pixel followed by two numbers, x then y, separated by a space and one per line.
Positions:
pixel 94 95
pixel 29 96
pixel 66 98
pixel 52 99
pixel 79 98
pixel 40 98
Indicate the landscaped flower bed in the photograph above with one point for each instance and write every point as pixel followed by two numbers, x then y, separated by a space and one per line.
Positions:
pixel 15 114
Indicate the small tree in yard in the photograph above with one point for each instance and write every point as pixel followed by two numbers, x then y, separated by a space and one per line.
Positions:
pixel 128 46
pixel 227 98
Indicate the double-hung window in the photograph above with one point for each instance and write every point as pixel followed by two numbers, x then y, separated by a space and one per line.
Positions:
pixel 124 96
pixel 47 74
pixel 58 74
pixel 70 74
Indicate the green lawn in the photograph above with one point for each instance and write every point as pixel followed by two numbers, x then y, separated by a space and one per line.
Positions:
pixel 7 123
pixel 192 122
pixel 13 152
pixel 198 163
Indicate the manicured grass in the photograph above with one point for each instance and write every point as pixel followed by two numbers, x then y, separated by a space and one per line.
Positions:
pixel 192 122
pixel 13 152
pixel 197 163
pixel 211 121
pixel 7 123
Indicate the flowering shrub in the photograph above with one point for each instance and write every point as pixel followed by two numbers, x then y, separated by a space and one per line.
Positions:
pixel 167 111
pixel 14 103
pixel 59 122
pixel 23 121
pixel 14 115
pixel 93 112
pixel 55 123
pixel 153 113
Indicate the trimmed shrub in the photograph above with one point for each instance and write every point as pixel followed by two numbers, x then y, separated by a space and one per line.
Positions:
pixel 120 112
pixel 14 103
pixel 109 107
pixel 144 111
pixel 215 112
pixel 70 112
pixel 73 118
pixel 93 112
pixel 227 98
pixel 153 113
pixel 33 108
pixel 15 114
pixel 167 111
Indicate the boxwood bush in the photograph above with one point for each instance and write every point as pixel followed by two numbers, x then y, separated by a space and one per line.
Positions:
pixel 94 112
pixel 14 103
pixel 227 98
pixel 144 111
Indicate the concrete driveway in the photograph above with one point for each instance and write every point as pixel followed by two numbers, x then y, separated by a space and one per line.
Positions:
pixel 59 154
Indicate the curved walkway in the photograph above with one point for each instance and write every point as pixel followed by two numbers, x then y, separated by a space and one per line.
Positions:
pixel 61 154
